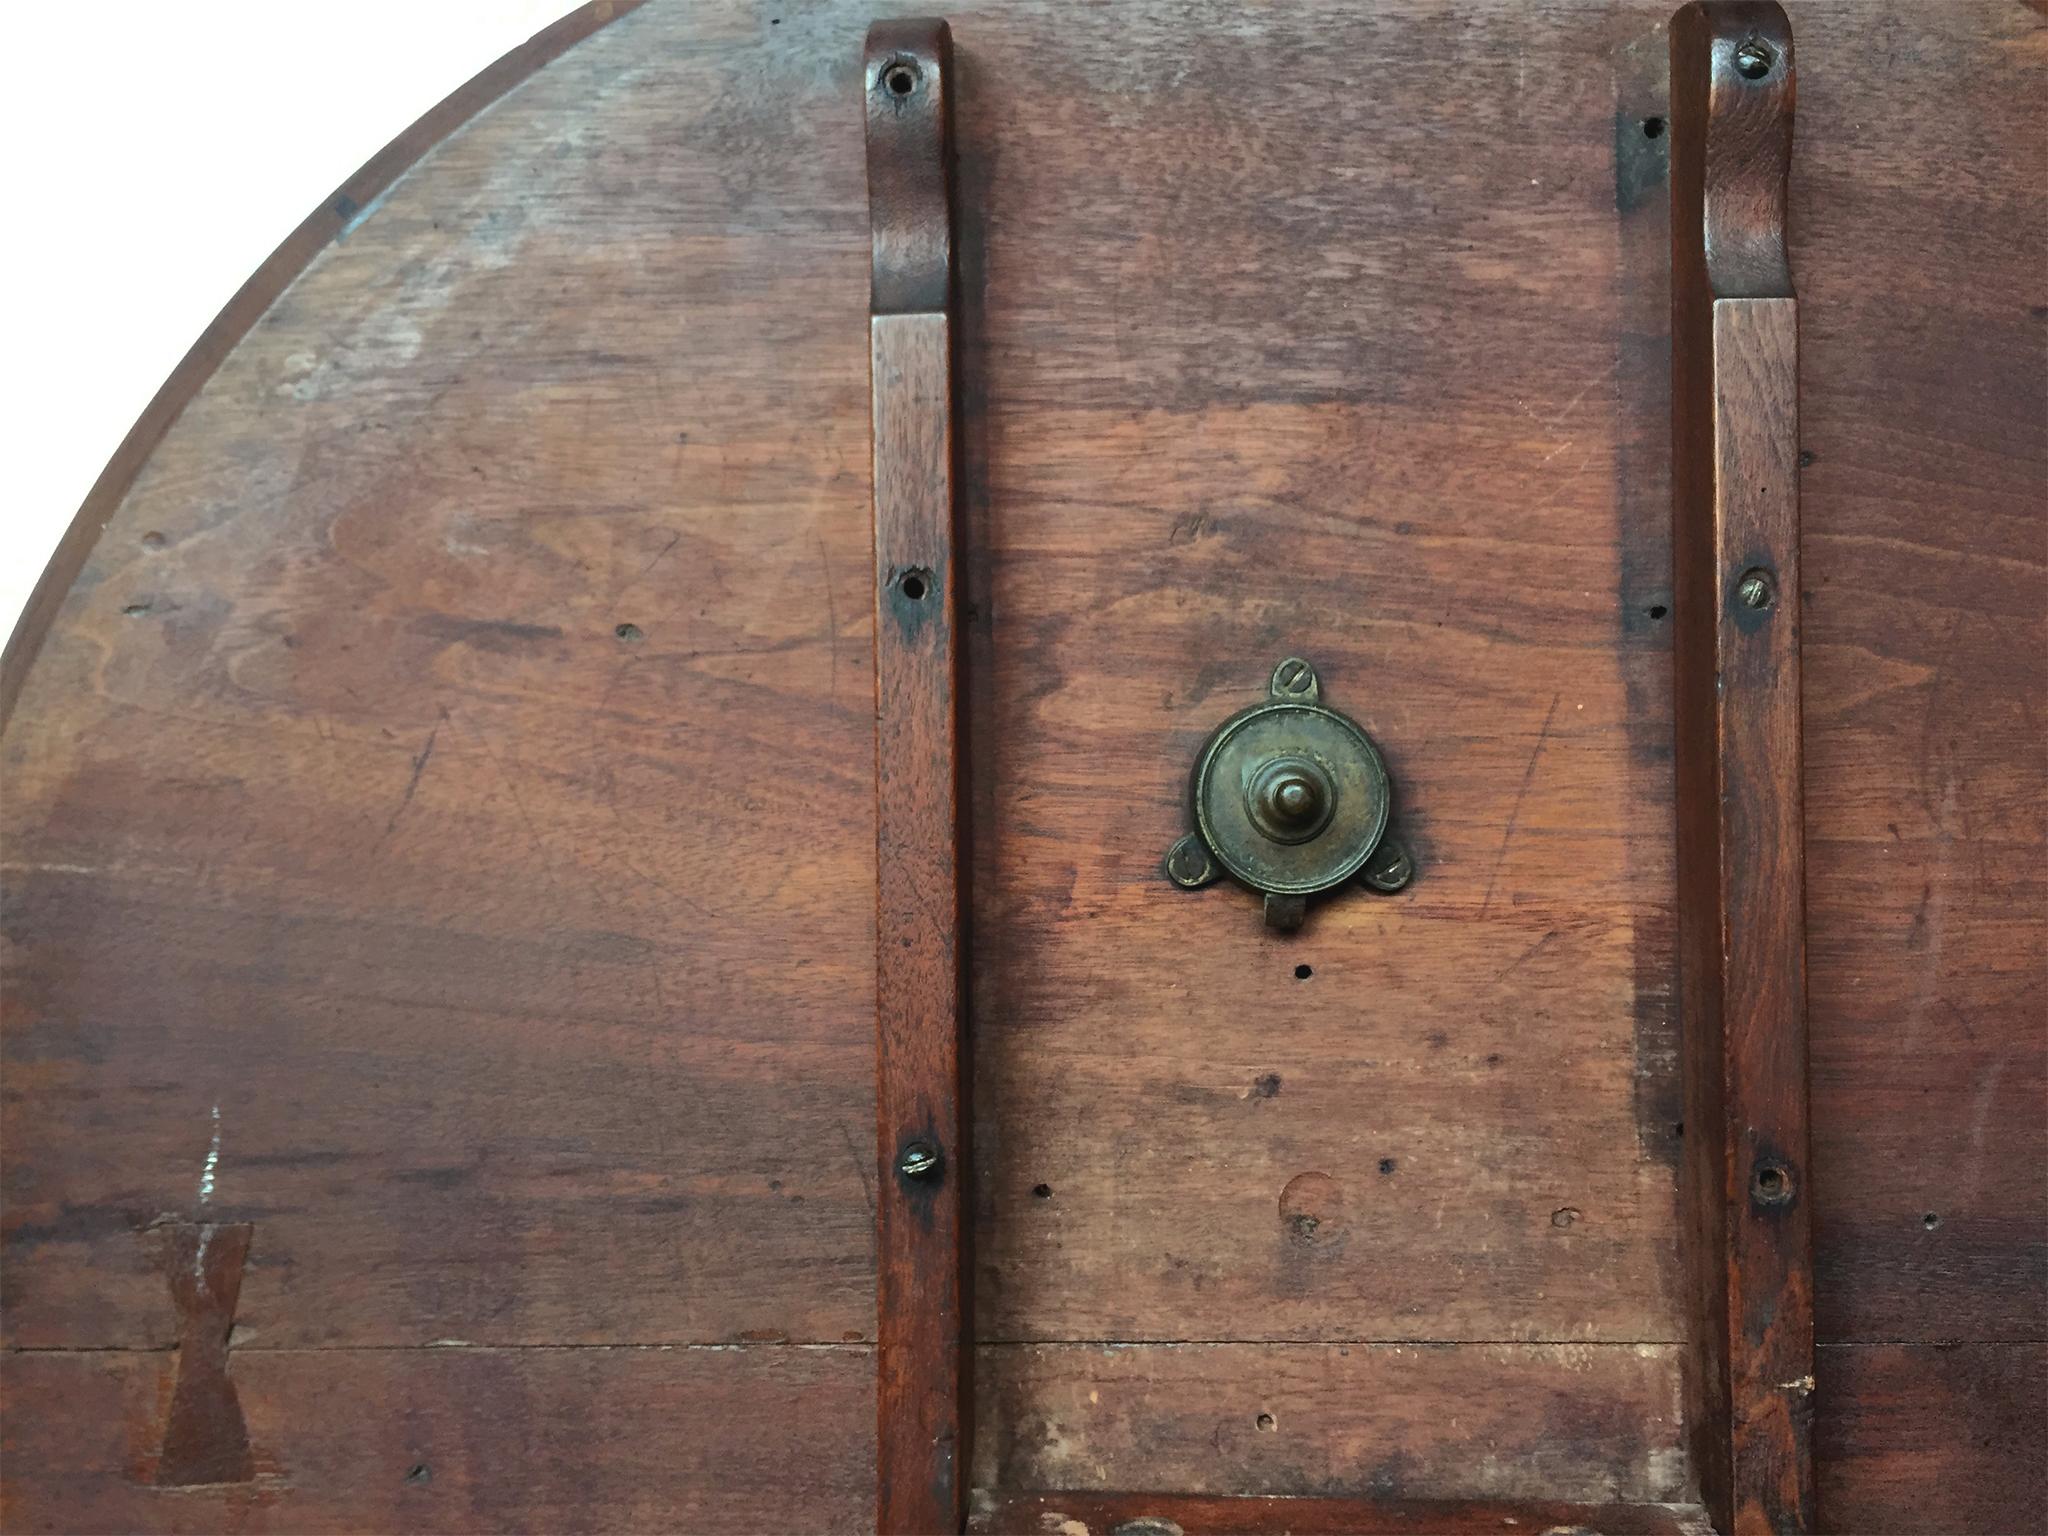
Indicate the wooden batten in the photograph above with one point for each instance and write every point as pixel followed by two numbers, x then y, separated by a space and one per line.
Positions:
pixel 921 1278
pixel 1741 871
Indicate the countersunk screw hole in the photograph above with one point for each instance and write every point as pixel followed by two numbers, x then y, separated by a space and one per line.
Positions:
pixel 1756 589
pixel 1653 127
pixel 1755 59
pixel 1265 1422
pixel 1771 1184
pixel 1042 1191
pixel 900 79
pixel 628 632
pixel 1303 972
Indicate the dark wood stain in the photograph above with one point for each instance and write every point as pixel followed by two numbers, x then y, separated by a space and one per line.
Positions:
pixel 1323 326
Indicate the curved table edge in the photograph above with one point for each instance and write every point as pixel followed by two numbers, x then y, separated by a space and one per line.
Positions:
pixel 335 215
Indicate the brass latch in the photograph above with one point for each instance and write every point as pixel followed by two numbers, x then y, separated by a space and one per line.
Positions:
pixel 1290 798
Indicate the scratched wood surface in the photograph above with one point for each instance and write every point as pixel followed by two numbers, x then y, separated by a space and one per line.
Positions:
pixel 453 765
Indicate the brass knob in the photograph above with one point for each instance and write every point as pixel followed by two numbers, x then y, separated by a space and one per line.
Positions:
pixel 1290 799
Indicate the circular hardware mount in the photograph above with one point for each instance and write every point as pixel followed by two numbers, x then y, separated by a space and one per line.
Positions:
pixel 1282 766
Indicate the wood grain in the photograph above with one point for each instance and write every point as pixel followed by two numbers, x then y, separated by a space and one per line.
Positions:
pixel 546 1021
pixel 329 222
pixel 922 1328
pixel 1741 855
pixel 1155 1514
pixel 1932 1438
pixel 546 1440
pixel 1598 1423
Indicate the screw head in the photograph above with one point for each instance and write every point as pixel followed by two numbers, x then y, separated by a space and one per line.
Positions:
pixel 1755 58
pixel 1756 589
pixel 918 1160
pixel 1389 869
pixel 1188 863
pixel 1294 677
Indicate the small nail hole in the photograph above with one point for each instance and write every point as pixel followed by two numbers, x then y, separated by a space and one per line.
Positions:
pixel 1303 972
pixel 1042 1191
pixel 1930 1221
pixel 628 632
pixel 1265 1421
pixel 1653 127
pixel 419 1472
pixel 1657 610
pixel 1388 1165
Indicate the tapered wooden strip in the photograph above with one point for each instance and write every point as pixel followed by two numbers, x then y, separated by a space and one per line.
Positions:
pixel 921 1117
pixel 1735 401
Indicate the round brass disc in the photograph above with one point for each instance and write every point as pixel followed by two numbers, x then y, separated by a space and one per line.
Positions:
pixel 1262 753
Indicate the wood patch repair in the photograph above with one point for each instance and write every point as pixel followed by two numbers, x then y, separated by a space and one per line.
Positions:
pixel 206 1440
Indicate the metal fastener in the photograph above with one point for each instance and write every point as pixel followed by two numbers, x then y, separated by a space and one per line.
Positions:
pixel 919 1160
pixel 1756 590
pixel 1755 58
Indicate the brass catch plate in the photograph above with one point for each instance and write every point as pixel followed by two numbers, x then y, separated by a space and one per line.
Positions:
pixel 1290 798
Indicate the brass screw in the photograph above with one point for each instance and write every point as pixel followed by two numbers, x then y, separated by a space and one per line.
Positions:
pixel 1753 60
pixel 919 1160
pixel 1755 591
pixel 1187 862
pixel 1293 676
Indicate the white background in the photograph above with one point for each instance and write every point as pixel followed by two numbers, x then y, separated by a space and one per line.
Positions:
pixel 156 154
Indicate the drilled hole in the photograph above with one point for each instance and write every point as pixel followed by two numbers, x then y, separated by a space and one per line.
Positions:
pixel 1653 127
pixel 900 79
pixel 1042 1191
pixel 1265 1421
pixel 1771 1184
pixel 1657 610
pixel 915 584
pixel 1303 972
